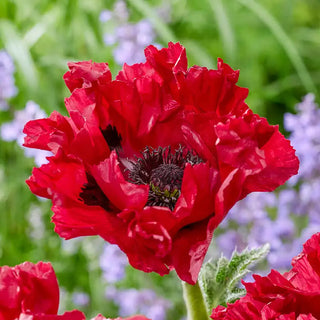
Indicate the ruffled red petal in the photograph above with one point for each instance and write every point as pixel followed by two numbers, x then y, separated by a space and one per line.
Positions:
pixel 169 60
pixel 86 74
pixel 62 176
pixel 51 134
pixel 28 287
pixel 122 193
pixel 293 295
pixel 189 249
pixel 214 91
pixel 69 315
pixel 147 246
pixel 138 317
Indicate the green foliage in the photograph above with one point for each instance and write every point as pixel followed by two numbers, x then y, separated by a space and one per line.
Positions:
pixel 219 280
pixel 287 44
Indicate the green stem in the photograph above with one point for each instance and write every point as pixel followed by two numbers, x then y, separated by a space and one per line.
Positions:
pixel 194 302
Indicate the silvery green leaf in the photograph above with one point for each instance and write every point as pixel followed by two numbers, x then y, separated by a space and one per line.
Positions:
pixel 235 294
pixel 219 279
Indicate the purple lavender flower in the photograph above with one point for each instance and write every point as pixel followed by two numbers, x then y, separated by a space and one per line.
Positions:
pixel 7 87
pixel 113 263
pixel 262 218
pixel 280 233
pixel 229 241
pixel 120 11
pixel 133 301
pixel 306 234
pixel 309 195
pixel 281 259
pixel 105 15
pixel 129 39
pixel 305 137
pixel 80 299
pixel 253 207
pixel 287 202
pixel 12 131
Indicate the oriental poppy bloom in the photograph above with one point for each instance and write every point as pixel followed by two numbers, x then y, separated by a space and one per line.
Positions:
pixel 74 315
pixel 30 292
pixel 27 288
pixel 293 295
pixel 153 160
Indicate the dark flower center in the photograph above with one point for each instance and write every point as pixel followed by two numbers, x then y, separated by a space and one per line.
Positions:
pixel 159 168
pixel 92 195
pixel 112 137
pixel 167 176
pixel 163 171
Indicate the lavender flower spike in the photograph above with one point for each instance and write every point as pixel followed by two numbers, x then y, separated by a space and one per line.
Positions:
pixel 7 87
pixel 144 301
pixel 12 131
pixel 113 263
pixel 129 39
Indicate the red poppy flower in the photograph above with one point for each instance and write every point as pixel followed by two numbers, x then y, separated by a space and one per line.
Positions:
pixel 153 160
pixel 73 315
pixel 31 292
pixel 100 317
pixel 28 288
pixel 69 315
pixel 293 295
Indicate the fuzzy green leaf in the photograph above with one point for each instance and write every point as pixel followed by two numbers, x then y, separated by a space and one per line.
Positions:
pixel 219 279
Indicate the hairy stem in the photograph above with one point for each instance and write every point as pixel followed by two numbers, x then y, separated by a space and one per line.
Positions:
pixel 194 302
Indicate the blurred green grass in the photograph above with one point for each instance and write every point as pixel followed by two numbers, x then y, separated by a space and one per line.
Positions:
pixel 274 43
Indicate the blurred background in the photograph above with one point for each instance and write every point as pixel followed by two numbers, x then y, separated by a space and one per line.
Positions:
pixel 276 46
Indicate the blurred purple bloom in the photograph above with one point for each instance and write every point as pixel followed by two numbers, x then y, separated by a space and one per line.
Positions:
pixel 105 15
pixel 120 11
pixel 12 131
pixel 257 226
pixel 7 87
pixel 109 39
pixel 253 207
pixel 272 231
pixel 80 299
pixel 309 195
pixel 229 241
pixel 306 234
pixel 145 301
pixel 113 263
pixel 305 137
pixel 281 259
pixel 288 202
pixel 129 39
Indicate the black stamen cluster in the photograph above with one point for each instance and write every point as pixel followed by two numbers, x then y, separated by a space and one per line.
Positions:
pixel 167 176
pixel 112 137
pixel 163 171
pixel 92 195
pixel 141 170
